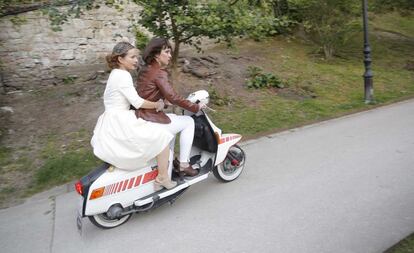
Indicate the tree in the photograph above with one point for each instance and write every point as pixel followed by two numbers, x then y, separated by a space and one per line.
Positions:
pixel 397 5
pixel 179 20
pixel 328 22
pixel 188 21
pixel 279 7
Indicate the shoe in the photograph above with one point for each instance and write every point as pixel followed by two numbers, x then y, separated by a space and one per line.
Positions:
pixel 166 183
pixel 187 171
pixel 176 165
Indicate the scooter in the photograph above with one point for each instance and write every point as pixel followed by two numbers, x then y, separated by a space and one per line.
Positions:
pixel 108 196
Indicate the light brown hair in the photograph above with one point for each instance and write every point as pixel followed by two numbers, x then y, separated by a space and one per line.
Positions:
pixel 120 50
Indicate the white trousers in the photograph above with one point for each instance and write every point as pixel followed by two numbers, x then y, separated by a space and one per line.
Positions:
pixel 185 125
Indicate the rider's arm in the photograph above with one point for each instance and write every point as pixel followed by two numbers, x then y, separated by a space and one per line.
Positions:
pixel 169 93
pixel 128 90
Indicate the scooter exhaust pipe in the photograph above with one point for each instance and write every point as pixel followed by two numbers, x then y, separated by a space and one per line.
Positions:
pixel 115 212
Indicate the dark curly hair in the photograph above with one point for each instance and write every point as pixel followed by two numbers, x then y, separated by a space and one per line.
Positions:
pixel 154 48
pixel 120 50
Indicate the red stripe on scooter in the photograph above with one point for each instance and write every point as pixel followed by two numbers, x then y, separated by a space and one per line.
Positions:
pixel 150 176
pixel 125 185
pixel 111 187
pixel 119 186
pixel 131 182
pixel 107 192
pixel 115 187
pixel 138 180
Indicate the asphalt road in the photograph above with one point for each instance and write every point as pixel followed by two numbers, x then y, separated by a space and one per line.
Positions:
pixel 344 185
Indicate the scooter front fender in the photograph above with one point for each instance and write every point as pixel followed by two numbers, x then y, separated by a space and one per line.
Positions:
pixel 225 142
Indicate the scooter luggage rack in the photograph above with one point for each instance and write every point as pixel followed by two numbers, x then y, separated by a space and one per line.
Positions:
pixel 181 185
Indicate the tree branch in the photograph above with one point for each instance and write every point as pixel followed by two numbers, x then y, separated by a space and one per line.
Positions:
pixel 17 9
pixel 233 3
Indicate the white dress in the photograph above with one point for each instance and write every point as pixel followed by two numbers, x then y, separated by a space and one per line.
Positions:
pixel 119 138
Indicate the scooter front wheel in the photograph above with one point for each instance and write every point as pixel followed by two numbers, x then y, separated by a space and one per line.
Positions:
pixel 103 221
pixel 232 166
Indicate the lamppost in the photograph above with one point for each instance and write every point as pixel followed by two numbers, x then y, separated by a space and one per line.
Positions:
pixel 368 82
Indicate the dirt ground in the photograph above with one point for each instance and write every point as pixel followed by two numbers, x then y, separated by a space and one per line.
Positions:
pixel 29 118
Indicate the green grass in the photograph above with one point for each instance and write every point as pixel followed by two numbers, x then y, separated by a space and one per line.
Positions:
pixel 65 163
pixel 62 168
pixel 404 246
pixel 394 22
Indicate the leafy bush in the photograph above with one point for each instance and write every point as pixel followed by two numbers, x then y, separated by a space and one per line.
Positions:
pixel 258 79
pixel 217 99
pixel 259 27
pixel 328 23
pixel 403 6
pixel 141 39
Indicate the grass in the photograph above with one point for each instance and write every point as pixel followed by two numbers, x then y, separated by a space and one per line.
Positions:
pixel 394 22
pixel 404 246
pixel 56 164
pixel 65 163
pixel 60 169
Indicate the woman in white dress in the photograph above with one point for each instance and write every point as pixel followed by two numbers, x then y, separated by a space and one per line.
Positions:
pixel 119 138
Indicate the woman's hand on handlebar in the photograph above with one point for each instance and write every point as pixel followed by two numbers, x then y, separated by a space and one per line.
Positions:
pixel 201 106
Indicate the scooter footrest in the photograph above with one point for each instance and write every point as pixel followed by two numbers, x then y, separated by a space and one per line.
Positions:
pixel 160 194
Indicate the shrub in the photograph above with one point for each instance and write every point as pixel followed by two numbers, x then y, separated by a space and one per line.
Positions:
pixel 217 99
pixel 258 79
pixel 141 39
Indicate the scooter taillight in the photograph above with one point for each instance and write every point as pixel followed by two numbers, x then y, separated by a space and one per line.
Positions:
pixel 79 187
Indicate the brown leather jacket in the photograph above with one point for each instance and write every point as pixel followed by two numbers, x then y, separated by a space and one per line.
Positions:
pixel 153 85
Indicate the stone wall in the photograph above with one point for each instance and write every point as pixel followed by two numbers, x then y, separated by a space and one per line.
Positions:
pixel 33 56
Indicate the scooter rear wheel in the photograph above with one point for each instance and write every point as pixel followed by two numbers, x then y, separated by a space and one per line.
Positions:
pixel 228 171
pixel 103 221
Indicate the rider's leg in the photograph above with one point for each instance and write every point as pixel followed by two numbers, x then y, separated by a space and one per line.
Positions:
pixel 163 179
pixel 184 125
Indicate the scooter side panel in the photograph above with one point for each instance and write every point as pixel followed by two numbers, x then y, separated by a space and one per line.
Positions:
pixel 120 187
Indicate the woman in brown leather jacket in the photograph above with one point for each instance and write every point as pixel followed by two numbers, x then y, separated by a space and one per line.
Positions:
pixel 153 85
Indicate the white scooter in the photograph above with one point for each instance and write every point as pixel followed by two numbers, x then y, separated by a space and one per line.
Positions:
pixel 109 196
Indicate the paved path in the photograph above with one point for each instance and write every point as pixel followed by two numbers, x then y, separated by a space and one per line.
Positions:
pixel 344 185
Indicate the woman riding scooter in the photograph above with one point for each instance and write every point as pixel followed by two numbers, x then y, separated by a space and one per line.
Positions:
pixel 121 139
pixel 153 85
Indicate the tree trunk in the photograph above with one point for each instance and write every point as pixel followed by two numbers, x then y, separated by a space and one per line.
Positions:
pixel 176 50
pixel 174 59
pixel 328 50
pixel 280 8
